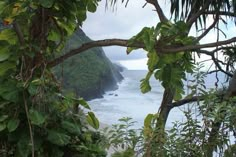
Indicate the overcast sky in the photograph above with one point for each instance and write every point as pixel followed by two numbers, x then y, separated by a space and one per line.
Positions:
pixel 120 23
pixel 126 22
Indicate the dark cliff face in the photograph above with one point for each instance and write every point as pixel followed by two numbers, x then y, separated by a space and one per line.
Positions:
pixel 90 73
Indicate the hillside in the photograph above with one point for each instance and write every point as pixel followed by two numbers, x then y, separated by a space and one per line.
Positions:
pixel 89 74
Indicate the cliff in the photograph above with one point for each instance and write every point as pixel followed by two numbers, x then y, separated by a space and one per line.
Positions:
pixel 90 73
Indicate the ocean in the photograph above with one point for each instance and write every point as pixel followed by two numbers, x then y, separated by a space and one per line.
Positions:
pixel 128 101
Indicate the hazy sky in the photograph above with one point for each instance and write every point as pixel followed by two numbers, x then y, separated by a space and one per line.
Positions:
pixel 124 23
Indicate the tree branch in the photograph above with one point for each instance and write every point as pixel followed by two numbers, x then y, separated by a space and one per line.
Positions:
pixel 213 71
pixel 208 29
pixel 175 49
pixel 158 9
pixel 98 43
pixel 224 13
pixel 215 61
pixel 19 33
pixel 186 101
pixel 124 43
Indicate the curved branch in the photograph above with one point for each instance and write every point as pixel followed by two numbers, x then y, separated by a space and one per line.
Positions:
pixel 158 9
pixel 124 43
pixel 215 61
pixel 175 49
pixel 186 101
pixel 208 29
pixel 19 32
pixel 224 13
pixel 98 43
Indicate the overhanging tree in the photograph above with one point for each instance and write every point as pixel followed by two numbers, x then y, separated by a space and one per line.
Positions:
pixel 170 44
pixel 36 33
pixel 171 48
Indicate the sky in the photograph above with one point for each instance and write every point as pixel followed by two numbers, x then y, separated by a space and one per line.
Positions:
pixel 125 22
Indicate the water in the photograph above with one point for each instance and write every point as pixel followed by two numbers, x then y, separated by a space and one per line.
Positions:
pixel 128 101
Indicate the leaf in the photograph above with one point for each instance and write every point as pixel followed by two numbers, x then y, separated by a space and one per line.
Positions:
pixel 8 91
pixel 54 35
pixel 84 103
pixel 130 49
pixel 145 86
pixel 3 118
pixel 92 120
pixel 46 3
pixel 8 35
pixel 92 7
pixel 58 138
pixel 2 126
pixel 177 96
pixel 148 120
pixel 33 87
pixel 36 117
pixel 4 53
pixel 5 66
pixel 23 146
pixel 71 127
pixel 11 95
pixel 68 27
pixel 152 61
pixel 13 124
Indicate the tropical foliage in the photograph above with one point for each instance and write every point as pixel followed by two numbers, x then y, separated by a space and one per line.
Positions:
pixel 38 120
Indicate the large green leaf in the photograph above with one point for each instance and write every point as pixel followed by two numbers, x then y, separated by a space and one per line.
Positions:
pixel 8 91
pixel 2 126
pixel 54 35
pixel 5 66
pixel 92 120
pixel 8 35
pixel 147 130
pixel 4 53
pixel 84 103
pixel 152 61
pixel 58 138
pixel 148 120
pixel 71 127
pixel 3 118
pixel 12 124
pixel 145 85
pixel 11 95
pixel 36 117
pixel 33 86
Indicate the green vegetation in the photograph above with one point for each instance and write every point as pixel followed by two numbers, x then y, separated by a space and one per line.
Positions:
pixel 38 119
pixel 87 74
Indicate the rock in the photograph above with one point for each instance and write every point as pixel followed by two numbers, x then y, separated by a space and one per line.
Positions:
pixel 89 74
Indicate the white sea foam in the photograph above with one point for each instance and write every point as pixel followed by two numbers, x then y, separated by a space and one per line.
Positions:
pixel 128 101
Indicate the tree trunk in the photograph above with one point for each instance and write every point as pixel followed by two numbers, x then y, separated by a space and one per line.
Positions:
pixel 165 107
pixel 156 145
pixel 211 143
